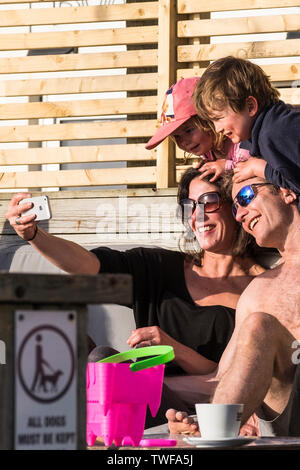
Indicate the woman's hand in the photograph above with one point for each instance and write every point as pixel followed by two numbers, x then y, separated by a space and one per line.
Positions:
pixel 188 359
pixel 24 226
pixel 215 168
pixel 149 336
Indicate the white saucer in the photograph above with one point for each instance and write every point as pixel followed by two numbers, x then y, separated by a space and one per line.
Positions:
pixel 220 442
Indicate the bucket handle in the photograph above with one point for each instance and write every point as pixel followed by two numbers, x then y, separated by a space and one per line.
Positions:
pixel 162 354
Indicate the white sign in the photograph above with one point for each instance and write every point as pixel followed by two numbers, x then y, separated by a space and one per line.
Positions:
pixel 46 380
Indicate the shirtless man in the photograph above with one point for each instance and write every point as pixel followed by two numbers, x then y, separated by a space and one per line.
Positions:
pixel 259 365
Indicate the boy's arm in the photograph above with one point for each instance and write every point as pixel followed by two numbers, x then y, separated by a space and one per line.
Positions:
pixel 275 177
pixel 249 169
pixel 258 167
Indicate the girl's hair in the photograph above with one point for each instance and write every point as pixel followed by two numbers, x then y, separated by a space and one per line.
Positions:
pixel 243 244
pixel 229 82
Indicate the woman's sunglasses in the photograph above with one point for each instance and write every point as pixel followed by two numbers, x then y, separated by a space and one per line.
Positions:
pixel 246 195
pixel 208 202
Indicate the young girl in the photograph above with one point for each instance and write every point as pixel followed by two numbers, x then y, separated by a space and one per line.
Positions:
pixel 179 120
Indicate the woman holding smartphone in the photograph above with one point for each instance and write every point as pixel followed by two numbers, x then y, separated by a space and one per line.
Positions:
pixel 183 299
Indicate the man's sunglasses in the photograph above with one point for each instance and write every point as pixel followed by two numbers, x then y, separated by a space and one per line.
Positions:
pixel 208 202
pixel 246 195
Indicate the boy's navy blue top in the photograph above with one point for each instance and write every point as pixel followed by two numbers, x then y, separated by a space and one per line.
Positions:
pixel 275 136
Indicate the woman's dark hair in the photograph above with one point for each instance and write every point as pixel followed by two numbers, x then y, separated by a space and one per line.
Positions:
pixel 243 242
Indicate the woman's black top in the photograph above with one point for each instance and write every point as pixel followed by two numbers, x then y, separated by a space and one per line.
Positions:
pixel 160 297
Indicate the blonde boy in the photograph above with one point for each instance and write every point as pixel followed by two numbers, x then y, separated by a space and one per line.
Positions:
pixel 238 97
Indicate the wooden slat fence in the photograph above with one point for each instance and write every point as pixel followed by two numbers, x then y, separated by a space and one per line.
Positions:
pixel 38 121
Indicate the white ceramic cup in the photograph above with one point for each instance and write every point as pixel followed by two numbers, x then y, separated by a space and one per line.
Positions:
pixel 219 420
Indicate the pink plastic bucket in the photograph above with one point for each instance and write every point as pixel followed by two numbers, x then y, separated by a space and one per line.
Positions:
pixel 117 396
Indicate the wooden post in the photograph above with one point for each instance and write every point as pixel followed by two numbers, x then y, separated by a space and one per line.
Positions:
pixel 27 302
pixel 134 70
pixel 167 51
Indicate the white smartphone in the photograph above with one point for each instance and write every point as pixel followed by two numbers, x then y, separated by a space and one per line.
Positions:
pixel 40 207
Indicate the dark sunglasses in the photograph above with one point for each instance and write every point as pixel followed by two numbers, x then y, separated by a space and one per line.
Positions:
pixel 208 202
pixel 246 195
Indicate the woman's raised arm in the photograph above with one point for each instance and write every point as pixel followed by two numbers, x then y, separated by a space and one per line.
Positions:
pixel 64 254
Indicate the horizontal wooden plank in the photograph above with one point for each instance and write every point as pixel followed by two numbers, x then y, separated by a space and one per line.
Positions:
pixel 85 212
pixel 79 154
pixel 79 14
pixel 5 197
pixel 202 6
pixel 182 161
pixel 105 37
pixel 245 50
pixel 4 2
pixel 277 72
pixel 98 193
pixel 66 62
pixel 56 86
pixel 196 6
pixel 248 25
pixel 126 240
pixel 156 214
pixel 71 178
pixel 65 289
pixel 290 95
pixel 78 131
pixel 78 108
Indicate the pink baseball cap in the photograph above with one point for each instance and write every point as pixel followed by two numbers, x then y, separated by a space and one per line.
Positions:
pixel 177 108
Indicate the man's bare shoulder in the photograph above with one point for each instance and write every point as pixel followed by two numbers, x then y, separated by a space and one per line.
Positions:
pixel 268 274
pixel 251 298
